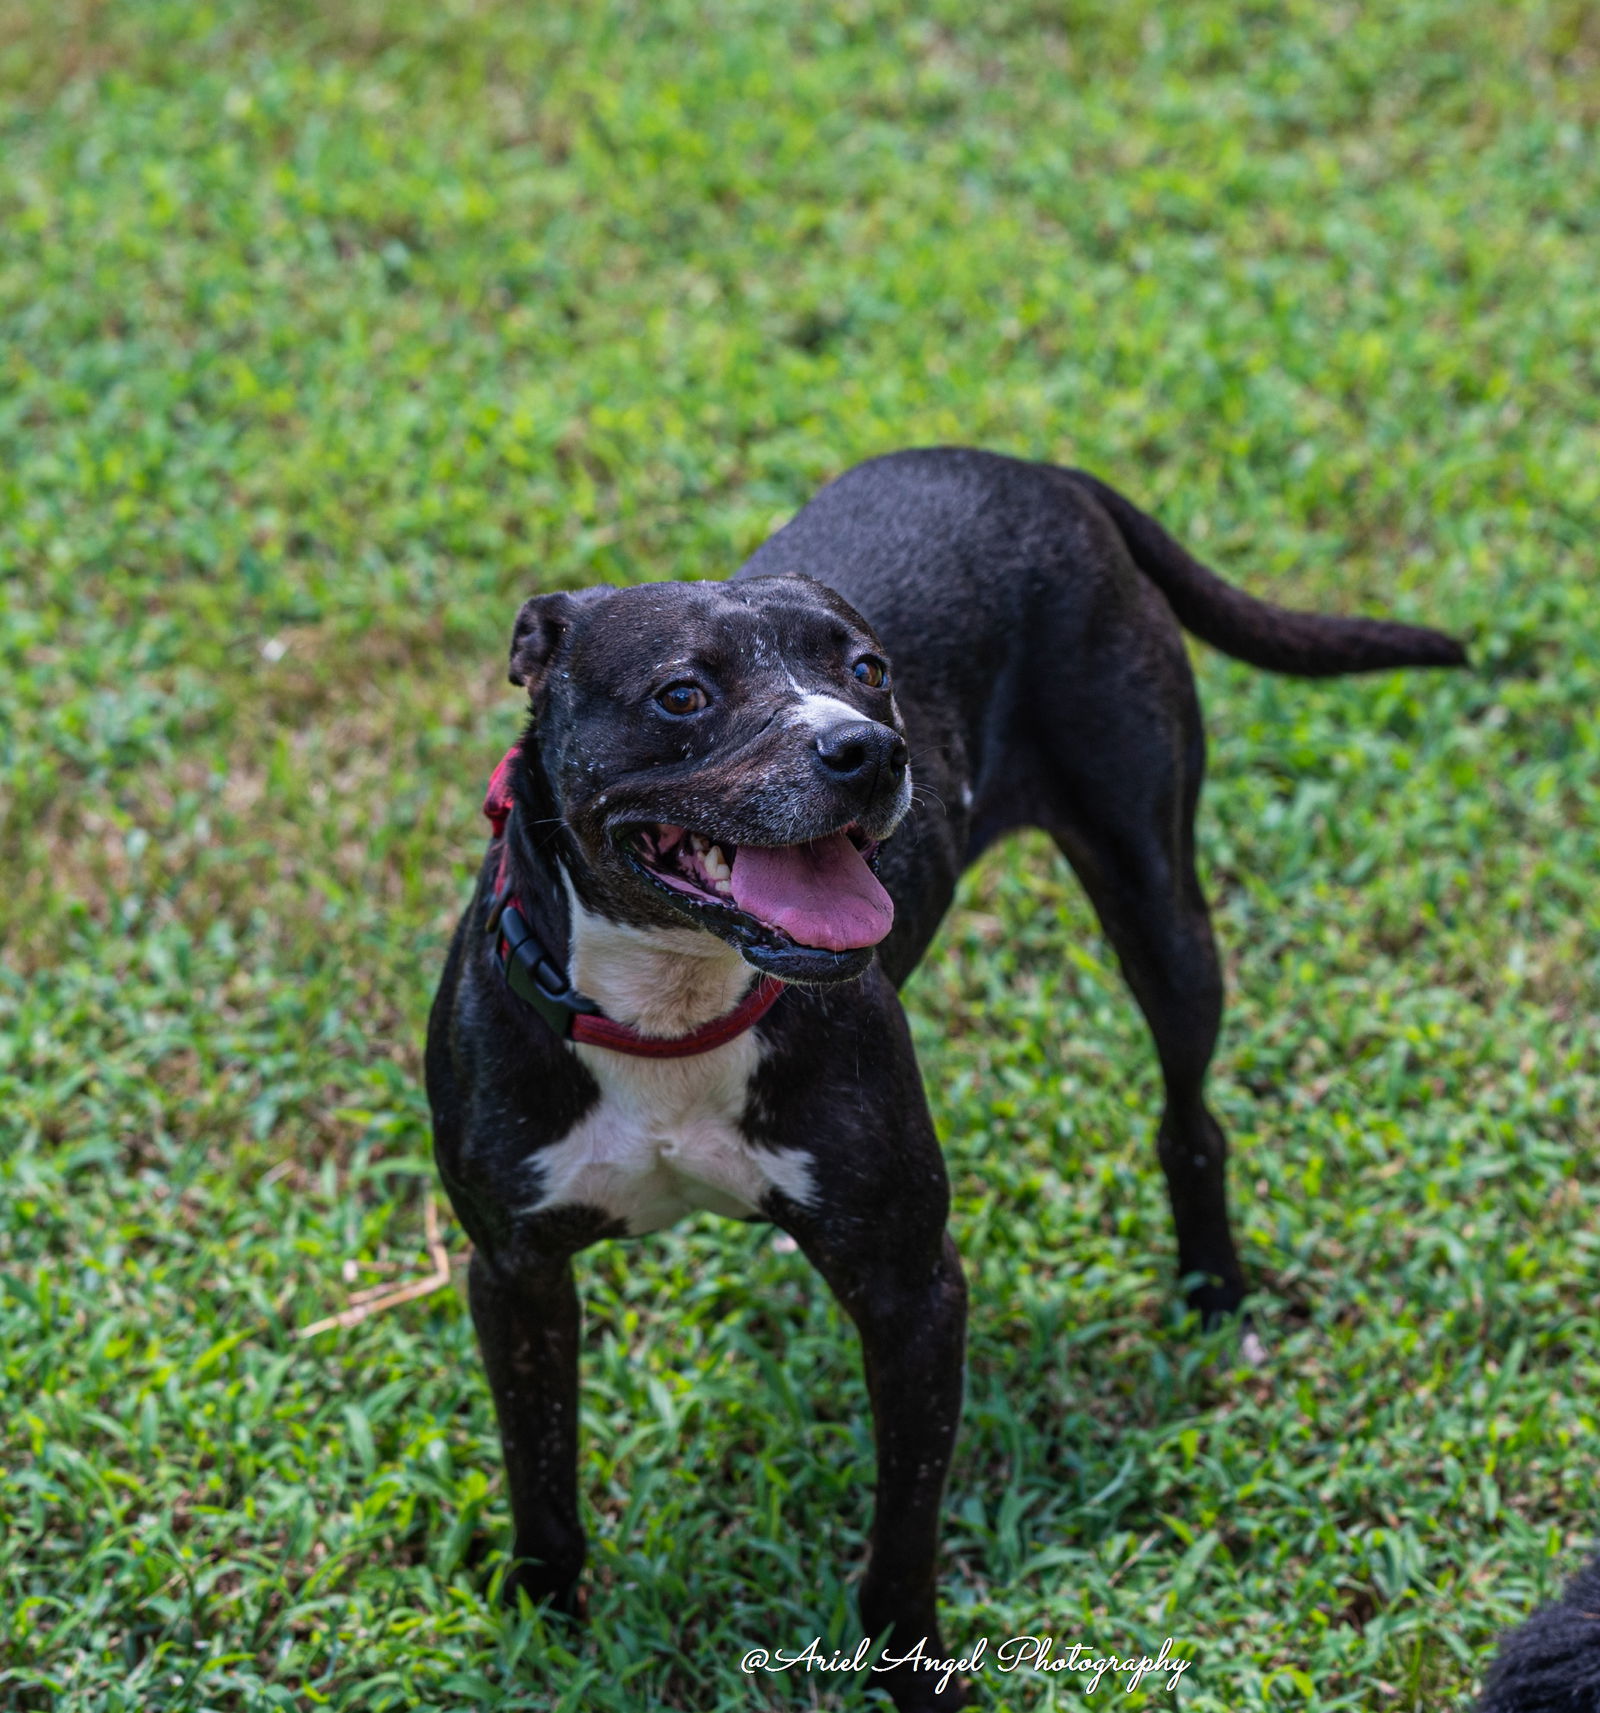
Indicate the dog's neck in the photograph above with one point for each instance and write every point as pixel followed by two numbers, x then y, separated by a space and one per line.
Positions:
pixel 660 981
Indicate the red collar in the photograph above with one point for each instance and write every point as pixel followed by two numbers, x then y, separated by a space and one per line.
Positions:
pixel 534 976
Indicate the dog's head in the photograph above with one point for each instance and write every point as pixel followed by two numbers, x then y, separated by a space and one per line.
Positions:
pixel 729 753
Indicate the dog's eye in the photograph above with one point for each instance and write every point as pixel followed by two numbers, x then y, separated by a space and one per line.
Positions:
pixel 872 672
pixel 682 698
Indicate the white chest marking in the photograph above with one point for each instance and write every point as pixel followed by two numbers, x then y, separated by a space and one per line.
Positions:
pixel 664 1139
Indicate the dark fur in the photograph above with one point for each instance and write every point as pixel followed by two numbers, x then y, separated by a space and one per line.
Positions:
pixel 1551 1664
pixel 1032 619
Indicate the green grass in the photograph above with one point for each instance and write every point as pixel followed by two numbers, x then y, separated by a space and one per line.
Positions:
pixel 326 335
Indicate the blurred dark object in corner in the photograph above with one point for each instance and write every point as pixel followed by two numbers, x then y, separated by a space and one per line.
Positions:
pixel 1551 1664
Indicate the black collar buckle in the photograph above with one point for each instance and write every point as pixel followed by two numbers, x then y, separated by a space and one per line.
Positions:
pixel 533 975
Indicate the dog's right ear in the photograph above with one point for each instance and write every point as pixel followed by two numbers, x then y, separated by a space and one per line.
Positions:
pixel 540 633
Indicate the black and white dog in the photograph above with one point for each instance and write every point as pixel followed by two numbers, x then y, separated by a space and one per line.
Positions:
pixel 675 985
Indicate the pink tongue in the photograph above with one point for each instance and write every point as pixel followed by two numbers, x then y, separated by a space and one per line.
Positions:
pixel 820 894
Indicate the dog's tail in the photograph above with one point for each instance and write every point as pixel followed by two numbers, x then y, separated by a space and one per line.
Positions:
pixel 1309 645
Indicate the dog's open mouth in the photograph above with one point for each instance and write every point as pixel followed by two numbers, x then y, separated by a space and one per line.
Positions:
pixel 821 894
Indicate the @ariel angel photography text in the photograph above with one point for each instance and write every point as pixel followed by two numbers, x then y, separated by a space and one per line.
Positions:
pixel 1015 1653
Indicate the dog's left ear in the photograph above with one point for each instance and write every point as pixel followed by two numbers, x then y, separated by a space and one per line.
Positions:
pixel 541 631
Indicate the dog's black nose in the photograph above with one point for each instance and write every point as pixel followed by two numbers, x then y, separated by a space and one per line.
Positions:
pixel 860 749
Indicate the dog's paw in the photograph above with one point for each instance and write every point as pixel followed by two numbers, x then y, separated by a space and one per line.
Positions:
pixel 1216 1304
pixel 566 1600
pixel 956 1693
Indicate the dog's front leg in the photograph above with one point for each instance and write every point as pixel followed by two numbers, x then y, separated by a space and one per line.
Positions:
pixel 527 1324
pixel 909 1304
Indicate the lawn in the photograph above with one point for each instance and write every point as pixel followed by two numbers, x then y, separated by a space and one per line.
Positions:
pixel 329 333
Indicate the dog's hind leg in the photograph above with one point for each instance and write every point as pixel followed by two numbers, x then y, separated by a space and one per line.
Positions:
pixel 528 1328
pixel 1151 907
pixel 1121 807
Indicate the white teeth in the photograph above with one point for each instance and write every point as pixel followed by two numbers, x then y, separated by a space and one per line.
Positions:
pixel 698 842
pixel 716 863
pixel 723 886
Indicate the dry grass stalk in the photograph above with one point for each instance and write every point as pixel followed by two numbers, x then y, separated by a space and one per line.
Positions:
pixel 377 1298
